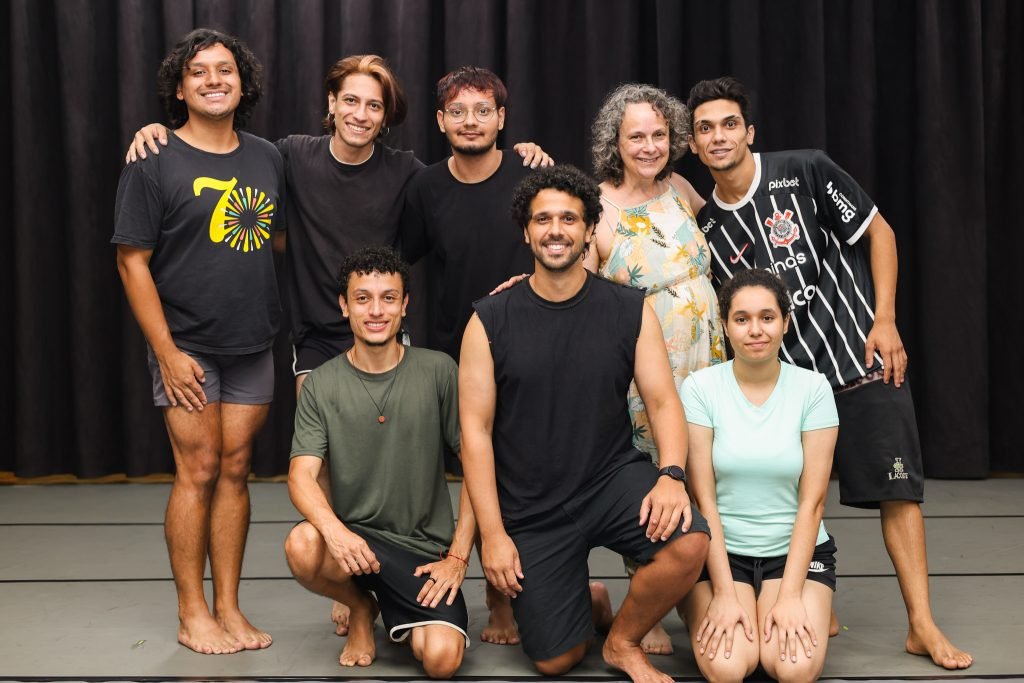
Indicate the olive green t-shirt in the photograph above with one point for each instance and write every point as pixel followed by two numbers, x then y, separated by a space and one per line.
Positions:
pixel 387 478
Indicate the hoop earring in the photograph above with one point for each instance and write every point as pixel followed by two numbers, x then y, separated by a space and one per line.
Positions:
pixel 384 131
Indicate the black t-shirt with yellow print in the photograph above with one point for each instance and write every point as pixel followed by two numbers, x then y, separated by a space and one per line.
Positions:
pixel 209 219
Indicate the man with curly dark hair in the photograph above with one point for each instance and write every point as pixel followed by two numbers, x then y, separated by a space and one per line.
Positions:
pixel 381 415
pixel 193 229
pixel 547 442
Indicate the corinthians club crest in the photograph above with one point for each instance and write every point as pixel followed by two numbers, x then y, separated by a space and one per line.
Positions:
pixel 782 230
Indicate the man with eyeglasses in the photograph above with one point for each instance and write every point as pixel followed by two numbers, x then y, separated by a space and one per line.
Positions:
pixel 456 210
pixel 456 214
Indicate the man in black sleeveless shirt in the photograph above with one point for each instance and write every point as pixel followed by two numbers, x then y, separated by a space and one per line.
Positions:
pixel 547 442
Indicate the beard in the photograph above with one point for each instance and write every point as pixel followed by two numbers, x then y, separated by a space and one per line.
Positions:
pixel 482 145
pixel 560 266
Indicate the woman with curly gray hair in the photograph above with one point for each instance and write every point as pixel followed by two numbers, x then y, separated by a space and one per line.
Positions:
pixel 648 237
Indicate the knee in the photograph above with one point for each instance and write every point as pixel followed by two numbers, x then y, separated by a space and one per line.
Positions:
pixel 802 671
pixel 235 464
pixel 200 468
pixel 302 549
pixel 442 657
pixel 689 551
pixel 722 670
pixel 562 664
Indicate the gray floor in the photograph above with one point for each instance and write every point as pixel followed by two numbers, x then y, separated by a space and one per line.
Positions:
pixel 85 593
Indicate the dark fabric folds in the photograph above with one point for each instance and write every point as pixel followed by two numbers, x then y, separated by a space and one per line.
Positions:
pixel 920 102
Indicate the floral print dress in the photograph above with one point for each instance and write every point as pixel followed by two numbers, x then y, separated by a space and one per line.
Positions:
pixel 658 246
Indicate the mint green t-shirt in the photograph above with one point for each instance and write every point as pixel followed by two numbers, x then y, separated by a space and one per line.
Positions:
pixel 757 454
pixel 387 479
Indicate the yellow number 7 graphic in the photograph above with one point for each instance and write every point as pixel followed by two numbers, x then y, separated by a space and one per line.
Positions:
pixel 219 216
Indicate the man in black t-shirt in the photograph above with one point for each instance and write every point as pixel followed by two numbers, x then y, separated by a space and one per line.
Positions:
pixel 799 215
pixel 547 442
pixel 456 214
pixel 193 230
pixel 456 211
pixel 346 192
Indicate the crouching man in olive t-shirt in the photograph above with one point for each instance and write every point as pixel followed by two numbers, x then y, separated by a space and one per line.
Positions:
pixel 381 414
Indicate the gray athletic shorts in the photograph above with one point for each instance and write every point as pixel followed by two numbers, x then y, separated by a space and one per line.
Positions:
pixel 248 379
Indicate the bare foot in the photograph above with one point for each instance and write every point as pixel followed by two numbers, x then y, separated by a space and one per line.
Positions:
pixel 931 642
pixel 360 649
pixel 203 634
pixel 600 607
pixel 339 615
pixel 235 623
pixel 657 641
pixel 501 625
pixel 833 625
pixel 630 658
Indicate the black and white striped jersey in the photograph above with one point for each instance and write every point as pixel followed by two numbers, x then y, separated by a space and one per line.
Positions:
pixel 802 219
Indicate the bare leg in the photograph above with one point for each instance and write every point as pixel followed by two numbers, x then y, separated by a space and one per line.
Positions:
pixel 440 648
pixel 833 625
pixel 195 440
pixel 718 661
pixel 656 588
pixel 501 624
pixel 903 531
pixel 229 523
pixel 318 572
pixel 339 611
pixel 657 641
pixel 817 600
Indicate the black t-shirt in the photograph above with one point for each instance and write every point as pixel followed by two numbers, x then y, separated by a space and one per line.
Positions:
pixel 802 219
pixel 335 209
pixel 208 219
pixel 562 371
pixel 472 242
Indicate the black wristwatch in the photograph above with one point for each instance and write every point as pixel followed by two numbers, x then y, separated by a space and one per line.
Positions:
pixel 674 471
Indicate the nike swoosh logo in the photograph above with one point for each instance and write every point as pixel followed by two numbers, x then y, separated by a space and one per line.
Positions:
pixel 736 259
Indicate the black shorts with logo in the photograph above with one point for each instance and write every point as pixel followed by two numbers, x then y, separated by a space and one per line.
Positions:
pixel 755 570
pixel 878 452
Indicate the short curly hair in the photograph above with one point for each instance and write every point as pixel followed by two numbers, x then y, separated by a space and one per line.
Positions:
pixel 753 277
pixel 604 132
pixel 383 260
pixel 171 70
pixel 565 178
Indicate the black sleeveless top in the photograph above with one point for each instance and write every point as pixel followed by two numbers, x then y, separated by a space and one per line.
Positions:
pixel 562 370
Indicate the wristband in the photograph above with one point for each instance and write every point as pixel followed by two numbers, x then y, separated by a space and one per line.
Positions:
pixel 445 554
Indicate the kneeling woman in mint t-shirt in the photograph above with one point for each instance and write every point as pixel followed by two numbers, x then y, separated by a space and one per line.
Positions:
pixel 762 434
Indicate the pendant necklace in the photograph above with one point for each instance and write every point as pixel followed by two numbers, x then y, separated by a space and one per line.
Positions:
pixel 384 403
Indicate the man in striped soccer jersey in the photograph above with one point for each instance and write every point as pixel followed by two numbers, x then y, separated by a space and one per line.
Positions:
pixel 799 215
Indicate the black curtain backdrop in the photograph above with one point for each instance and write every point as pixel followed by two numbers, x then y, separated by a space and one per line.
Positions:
pixel 920 100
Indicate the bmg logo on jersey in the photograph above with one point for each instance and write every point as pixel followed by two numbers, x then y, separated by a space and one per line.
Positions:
pixel 898 471
pixel 847 209
pixel 783 183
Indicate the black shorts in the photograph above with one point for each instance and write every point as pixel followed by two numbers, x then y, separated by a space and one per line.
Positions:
pixel 553 611
pixel 754 570
pixel 878 453
pixel 313 351
pixel 396 589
